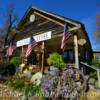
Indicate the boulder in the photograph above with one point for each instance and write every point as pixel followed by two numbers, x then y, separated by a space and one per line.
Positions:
pixel 91 81
pixel 36 78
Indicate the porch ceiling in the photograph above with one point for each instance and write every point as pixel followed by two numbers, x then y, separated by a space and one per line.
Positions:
pixel 55 42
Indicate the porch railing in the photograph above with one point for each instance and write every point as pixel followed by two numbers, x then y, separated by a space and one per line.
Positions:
pixel 82 64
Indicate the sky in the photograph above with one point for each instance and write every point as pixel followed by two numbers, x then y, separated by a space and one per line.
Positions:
pixel 81 10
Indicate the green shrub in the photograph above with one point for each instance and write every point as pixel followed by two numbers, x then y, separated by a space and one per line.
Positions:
pixel 15 61
pixel 26 87
pixel 32 90
pixel 16 84
pixel 0 61
pixel 95 63
pixel 56 60
pixel 93 75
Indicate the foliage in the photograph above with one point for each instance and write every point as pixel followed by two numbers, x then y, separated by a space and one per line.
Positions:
pixel 0 61
pixel 56 60
pixel 32 90
pixel 95 63
pixel 93 74
pixel 7 69
pixel 10 22
pixel 16 84
pixel 24 86
pixel 63 86
pixel 15 60
pixel 97 30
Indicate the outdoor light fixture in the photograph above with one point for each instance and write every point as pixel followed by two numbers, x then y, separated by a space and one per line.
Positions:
pixel 32 18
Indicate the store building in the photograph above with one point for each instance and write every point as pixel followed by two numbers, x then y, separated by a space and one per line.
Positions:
pixel 47 29
pixel 96 55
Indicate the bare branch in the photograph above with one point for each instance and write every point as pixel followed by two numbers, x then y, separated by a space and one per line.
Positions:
pixel 10 21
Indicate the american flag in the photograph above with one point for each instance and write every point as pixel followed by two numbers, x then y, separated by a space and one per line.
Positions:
pixel 32 44
pixel 10 50
pixel 66 35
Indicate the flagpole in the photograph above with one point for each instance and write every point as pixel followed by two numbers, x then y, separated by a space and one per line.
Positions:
pixel 42 65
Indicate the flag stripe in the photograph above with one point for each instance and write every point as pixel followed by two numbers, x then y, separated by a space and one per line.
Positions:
pixel 10 50
pixel 31 45
pixel 66 35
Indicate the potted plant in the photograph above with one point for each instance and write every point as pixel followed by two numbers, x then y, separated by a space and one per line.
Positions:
pixel 56 62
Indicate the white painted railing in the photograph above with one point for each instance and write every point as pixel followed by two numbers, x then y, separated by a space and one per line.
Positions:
pixel 96 69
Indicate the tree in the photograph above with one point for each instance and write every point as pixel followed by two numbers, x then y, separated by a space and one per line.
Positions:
pixel 97 31
pixel 97 25
pixel 8 29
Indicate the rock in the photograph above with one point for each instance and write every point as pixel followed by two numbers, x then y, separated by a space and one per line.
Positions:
pixel 86 77
pixel 36 78
pixel 91 87
pixel 91 81
pixel 24 98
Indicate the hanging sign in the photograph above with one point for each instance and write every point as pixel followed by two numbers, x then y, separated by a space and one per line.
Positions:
pixel 81 42
pixel 38 38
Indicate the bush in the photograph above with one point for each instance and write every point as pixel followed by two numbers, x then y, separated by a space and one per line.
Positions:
pixel 63 87
pixel 56 60
pixel 32 90
pixel 16 84
pixel 7 69
pixel 28 89
pixel 95 63
pixel 93 75
pixel 15 60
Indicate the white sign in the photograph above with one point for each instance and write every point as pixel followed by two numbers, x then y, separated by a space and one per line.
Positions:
pixel 38 38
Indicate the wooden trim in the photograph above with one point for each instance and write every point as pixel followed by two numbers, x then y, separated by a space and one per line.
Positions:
pixel 42 65
pixel 50 19
pixel 22 54
pixel 43 23
pixel 76 23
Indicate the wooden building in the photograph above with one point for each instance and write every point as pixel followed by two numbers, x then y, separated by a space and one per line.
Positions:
pixel 96 55
pixel 48 30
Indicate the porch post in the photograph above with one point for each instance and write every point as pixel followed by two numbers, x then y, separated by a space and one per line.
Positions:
pixel 22 54
pixel 76 51
pixel 42 66
pixel 98 75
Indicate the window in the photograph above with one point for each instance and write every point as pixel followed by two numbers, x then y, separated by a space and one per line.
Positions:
pixel 32 58
pixel 68 56
pixel 97 57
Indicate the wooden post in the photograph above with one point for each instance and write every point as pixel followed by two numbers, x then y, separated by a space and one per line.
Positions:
pixel 42 65
pixel 76 51
pixel 98 75
pixel 22 54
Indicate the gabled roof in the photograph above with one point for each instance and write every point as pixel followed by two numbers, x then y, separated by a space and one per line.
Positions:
pixel 52 15
pixel 55 17
pixel 96 51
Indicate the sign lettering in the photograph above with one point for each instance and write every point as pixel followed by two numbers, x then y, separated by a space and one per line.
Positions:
pixel 38 38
